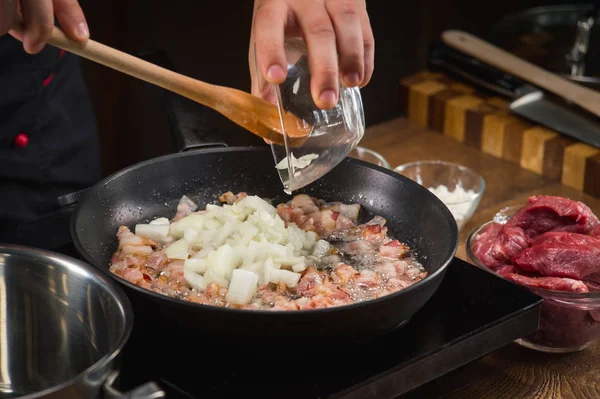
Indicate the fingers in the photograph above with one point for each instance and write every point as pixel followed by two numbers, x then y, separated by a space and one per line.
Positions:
pixel 8 12
pixel 71 19
pixel 269 25
pixel 38 19
pixel 320 38
pixel 369 48
pixel 345 15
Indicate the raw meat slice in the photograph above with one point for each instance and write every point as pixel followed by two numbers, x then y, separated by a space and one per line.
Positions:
pixel 566 238
pixel 547 213
pixel 556 259
pixel 548 283
pixel 498 244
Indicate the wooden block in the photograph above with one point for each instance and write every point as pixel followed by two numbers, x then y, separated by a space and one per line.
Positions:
pixel 474 121
pixel 405 85
pixel 533 148
pixel 513 140
pixel 494 131
pixel 591 183
pixel 462 88
pixel 554 153
pixel 574 165
pixel 437 109
pixel 498 102
pixel 454 120
pixel 418 100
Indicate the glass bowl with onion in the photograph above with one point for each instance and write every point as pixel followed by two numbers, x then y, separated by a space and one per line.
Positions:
pixel 569 321
pixel 458 187
pixel 335 132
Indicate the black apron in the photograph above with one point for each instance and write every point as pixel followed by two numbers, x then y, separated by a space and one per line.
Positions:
pixel 48 139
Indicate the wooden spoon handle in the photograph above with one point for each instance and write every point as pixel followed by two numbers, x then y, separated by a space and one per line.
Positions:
pixel 191 88
pixel 492 55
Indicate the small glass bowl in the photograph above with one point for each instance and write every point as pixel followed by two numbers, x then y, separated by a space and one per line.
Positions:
pixel 436 174
pixel 364 154
pixel 335 132
pixel 569 322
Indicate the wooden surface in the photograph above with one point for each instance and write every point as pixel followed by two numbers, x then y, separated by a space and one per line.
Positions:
pixel 511 372
pixel 482 122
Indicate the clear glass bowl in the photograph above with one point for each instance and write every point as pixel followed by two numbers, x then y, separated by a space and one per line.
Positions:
pixel 570 321
pixel 434 175
pixel 335 132
pixel 364 154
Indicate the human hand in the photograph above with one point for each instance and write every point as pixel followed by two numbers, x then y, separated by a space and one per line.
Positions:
pixel 338 36
pixel 38 21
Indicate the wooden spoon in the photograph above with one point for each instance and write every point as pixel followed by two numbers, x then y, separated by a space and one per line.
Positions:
pixel 250 112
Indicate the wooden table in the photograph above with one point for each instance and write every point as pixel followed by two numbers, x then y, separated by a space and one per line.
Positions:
pixel 512 371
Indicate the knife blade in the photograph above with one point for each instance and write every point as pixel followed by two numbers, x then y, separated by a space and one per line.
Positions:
pixel 526 100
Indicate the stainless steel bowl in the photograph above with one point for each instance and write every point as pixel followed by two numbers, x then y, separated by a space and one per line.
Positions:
pixel 63 324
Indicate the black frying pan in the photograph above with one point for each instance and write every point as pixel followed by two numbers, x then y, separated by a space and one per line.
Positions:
pixel 153 188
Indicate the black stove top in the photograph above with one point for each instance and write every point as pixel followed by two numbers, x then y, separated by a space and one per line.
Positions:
pixel 472 314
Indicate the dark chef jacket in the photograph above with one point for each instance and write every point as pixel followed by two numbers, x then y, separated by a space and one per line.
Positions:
pixel 48 139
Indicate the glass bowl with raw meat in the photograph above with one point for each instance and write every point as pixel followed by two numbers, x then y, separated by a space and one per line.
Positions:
pixel 551 245
pixel 247 253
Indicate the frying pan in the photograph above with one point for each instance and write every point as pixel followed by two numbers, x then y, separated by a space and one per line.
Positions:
pixel 153 188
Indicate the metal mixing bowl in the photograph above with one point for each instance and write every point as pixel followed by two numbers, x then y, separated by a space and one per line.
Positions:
pixel 62 326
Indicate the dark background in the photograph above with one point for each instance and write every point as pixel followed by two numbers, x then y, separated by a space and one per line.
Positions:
pixel 208 40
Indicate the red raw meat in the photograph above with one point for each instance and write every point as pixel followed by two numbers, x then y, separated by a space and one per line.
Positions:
pixel 558 259
pixel 566 238
pixel 497 244
pixel 548 283
pixel 547 213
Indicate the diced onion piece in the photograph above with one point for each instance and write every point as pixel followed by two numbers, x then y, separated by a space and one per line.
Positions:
pixel 288 260
pixel 177 250
pixel 299 267
pixel 195 265
pixel 195 280
pixel 214 276
pixel 350 211
pixel 155 232
pixel 160 221
pixel 190 235
pixel 194 221
pixel 297 163
pixel 257 203
pixel 284 276
pixel 321 248
pixel 242 287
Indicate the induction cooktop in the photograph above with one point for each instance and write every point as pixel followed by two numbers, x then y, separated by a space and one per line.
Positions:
pixel 472 314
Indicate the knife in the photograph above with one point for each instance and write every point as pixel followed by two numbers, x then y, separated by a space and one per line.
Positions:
pixel 527 100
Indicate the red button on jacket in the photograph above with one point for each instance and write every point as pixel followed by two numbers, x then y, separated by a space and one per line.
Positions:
pixel 21 140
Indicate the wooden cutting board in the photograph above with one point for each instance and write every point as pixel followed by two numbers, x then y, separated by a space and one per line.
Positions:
pixel 456 110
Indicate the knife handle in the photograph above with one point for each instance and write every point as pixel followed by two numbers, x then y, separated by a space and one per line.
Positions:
pixel 496 57
pixel 471 69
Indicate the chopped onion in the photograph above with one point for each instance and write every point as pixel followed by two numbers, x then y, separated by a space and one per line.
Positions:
pixel 284 276
pixel 299 267
pixel 177 250
pixel 195 265
pixel 160 221
pixel 350 211
pixel 297 163
pixel 155 232
pixel 248 235
pixel 195 280
pixel 242 287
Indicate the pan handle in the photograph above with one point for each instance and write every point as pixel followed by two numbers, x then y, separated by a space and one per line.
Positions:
pixel 187 119
pixel 149 390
